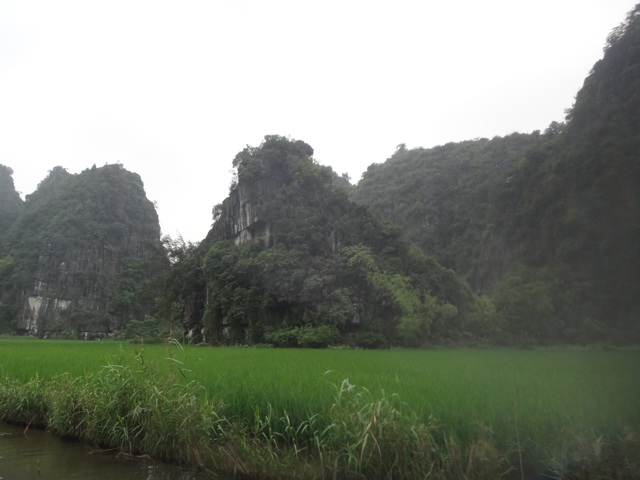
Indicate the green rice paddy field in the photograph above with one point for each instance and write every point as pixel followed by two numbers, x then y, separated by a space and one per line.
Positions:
pixel 483 412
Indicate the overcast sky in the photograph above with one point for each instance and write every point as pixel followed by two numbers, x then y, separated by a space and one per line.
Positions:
pixel 173 90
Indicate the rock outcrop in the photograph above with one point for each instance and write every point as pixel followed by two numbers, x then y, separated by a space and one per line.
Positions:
pixel 240 213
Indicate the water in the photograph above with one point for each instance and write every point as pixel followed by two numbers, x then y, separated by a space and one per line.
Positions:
pixel 39 455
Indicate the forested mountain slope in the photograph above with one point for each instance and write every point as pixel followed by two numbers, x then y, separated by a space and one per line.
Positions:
pixel 290 260
pixel 75 256
pixel 446 199
pixel 528 238
pixel 10 203
pixel 548 224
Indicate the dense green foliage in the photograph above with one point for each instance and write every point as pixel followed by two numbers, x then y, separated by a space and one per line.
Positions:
pixel 547 225
pixel 353 413
pixel 87 238
pixel 10 203
pixel 10 206
pixel 316 259
pixel 97 203
pixel 525 239
pixel 446 199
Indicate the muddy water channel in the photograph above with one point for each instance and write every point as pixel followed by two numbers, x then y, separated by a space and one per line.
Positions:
pixel 39 455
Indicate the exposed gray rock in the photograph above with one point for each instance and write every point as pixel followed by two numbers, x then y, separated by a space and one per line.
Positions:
pixel 240 218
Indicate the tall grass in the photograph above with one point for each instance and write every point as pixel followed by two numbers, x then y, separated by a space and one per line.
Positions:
pixel 336 413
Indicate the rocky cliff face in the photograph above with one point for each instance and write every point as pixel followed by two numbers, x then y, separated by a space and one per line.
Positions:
pixel 241 213
pixel 77 287
pixel 81 247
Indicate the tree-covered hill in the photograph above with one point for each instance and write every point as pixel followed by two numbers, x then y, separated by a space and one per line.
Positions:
pixel 547 224
pixel 527 238
pixel 75 255
pixel 290 260
pixel 10 203
pixel 446 199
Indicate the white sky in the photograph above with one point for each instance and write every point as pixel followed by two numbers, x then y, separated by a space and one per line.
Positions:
pixel 173 90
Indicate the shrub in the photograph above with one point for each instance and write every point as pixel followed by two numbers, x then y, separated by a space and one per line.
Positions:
pixel 369 340
pixel 304 337
pixel 282 338
pixel 149 330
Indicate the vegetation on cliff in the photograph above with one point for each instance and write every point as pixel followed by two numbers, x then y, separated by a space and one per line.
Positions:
pixel 310 267
pixel 528 238
pixel 10 203
pixel 83 239
pixel 547 225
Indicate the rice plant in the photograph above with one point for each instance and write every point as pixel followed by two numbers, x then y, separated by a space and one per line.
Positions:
pixel 468 414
